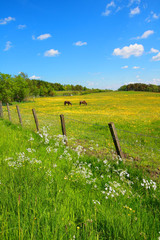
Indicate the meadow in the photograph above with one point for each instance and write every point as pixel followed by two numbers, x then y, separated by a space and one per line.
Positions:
pixel 83 190
pixel 135 115
pixel 49 191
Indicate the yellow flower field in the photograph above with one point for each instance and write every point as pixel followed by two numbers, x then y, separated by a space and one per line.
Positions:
pixel 136 116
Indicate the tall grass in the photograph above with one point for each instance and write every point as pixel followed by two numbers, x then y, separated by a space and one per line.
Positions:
pixel 49 191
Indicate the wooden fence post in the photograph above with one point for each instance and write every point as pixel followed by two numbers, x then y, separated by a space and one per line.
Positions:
pixel 9 114
pixel 35 119
pixel 19 115
pixel 63 128
pixel 1 110
pixel 115 139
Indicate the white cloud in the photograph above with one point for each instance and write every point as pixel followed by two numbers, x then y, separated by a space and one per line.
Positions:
pixel 129 83
pixel 152 16
pixel 44 36
pixel 136 67
pixel 138 78
pixel 8 46
pixel 21 26
pixel 4 21
pixel 111 4
pixel 155 16
pixel 80 43
pixel 124 67
pixel 108 11
pixel 153 50
pixel 134 1
pixel 131 50
pixel 91 84
pixel 34 77
pixel 33 37
pixel 156 81
pixel 134 11
pixel 156 58
pixel 146 34
pixel 51 53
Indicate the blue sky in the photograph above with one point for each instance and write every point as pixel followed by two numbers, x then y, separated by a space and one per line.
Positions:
pixel 95 43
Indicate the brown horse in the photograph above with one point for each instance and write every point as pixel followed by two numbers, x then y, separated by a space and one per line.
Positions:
pixel 67 102
pixel 82 102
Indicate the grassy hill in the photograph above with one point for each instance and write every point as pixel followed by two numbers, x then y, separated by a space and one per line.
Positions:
pixel 49 191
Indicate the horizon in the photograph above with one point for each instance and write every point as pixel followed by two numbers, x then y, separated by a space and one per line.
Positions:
pixel 103 45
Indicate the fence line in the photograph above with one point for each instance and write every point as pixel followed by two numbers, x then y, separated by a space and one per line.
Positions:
pixel 94 125
pixel 9 114
pixel 115 139
pixel 36 119
pixel 113 130
pixel 141 146
pixel 1 110
pixel 139 134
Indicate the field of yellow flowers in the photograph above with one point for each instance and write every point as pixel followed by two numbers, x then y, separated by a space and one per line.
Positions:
pixel 136 116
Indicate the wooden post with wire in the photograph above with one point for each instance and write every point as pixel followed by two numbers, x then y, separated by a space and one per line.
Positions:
pixel 1 110
pixel 9 114
pixel 63 128
pixel 19 115
pixel 35 119
pixel 115 139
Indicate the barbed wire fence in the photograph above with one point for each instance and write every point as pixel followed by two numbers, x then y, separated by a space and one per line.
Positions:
pixel 94 138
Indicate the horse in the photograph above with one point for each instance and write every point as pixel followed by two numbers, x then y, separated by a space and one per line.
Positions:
pixel 67 102
pixel 82 102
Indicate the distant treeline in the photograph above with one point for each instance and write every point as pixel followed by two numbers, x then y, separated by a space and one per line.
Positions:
pixel 140 87
pixel 19 87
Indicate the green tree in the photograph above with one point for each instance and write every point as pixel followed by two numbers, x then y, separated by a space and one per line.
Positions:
pixel 21 90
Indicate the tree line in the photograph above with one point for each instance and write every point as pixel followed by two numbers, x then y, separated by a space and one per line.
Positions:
pixel 140 87
pixel 17 88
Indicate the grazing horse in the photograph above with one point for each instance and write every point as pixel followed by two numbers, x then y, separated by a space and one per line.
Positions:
pixel 67 102
pixel 82 102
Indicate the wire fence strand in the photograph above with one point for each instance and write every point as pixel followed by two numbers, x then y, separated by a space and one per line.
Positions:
pixel 100 133
pixel 139 134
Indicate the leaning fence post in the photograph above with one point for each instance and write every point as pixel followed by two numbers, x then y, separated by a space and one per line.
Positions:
pixel 19 115
pixel 115 139
pixel 9 114
pixel 35 119
pixel 63 128
pixel 1 110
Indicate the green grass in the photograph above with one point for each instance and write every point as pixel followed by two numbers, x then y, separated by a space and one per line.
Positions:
pixel 49 191
pixel 135 114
